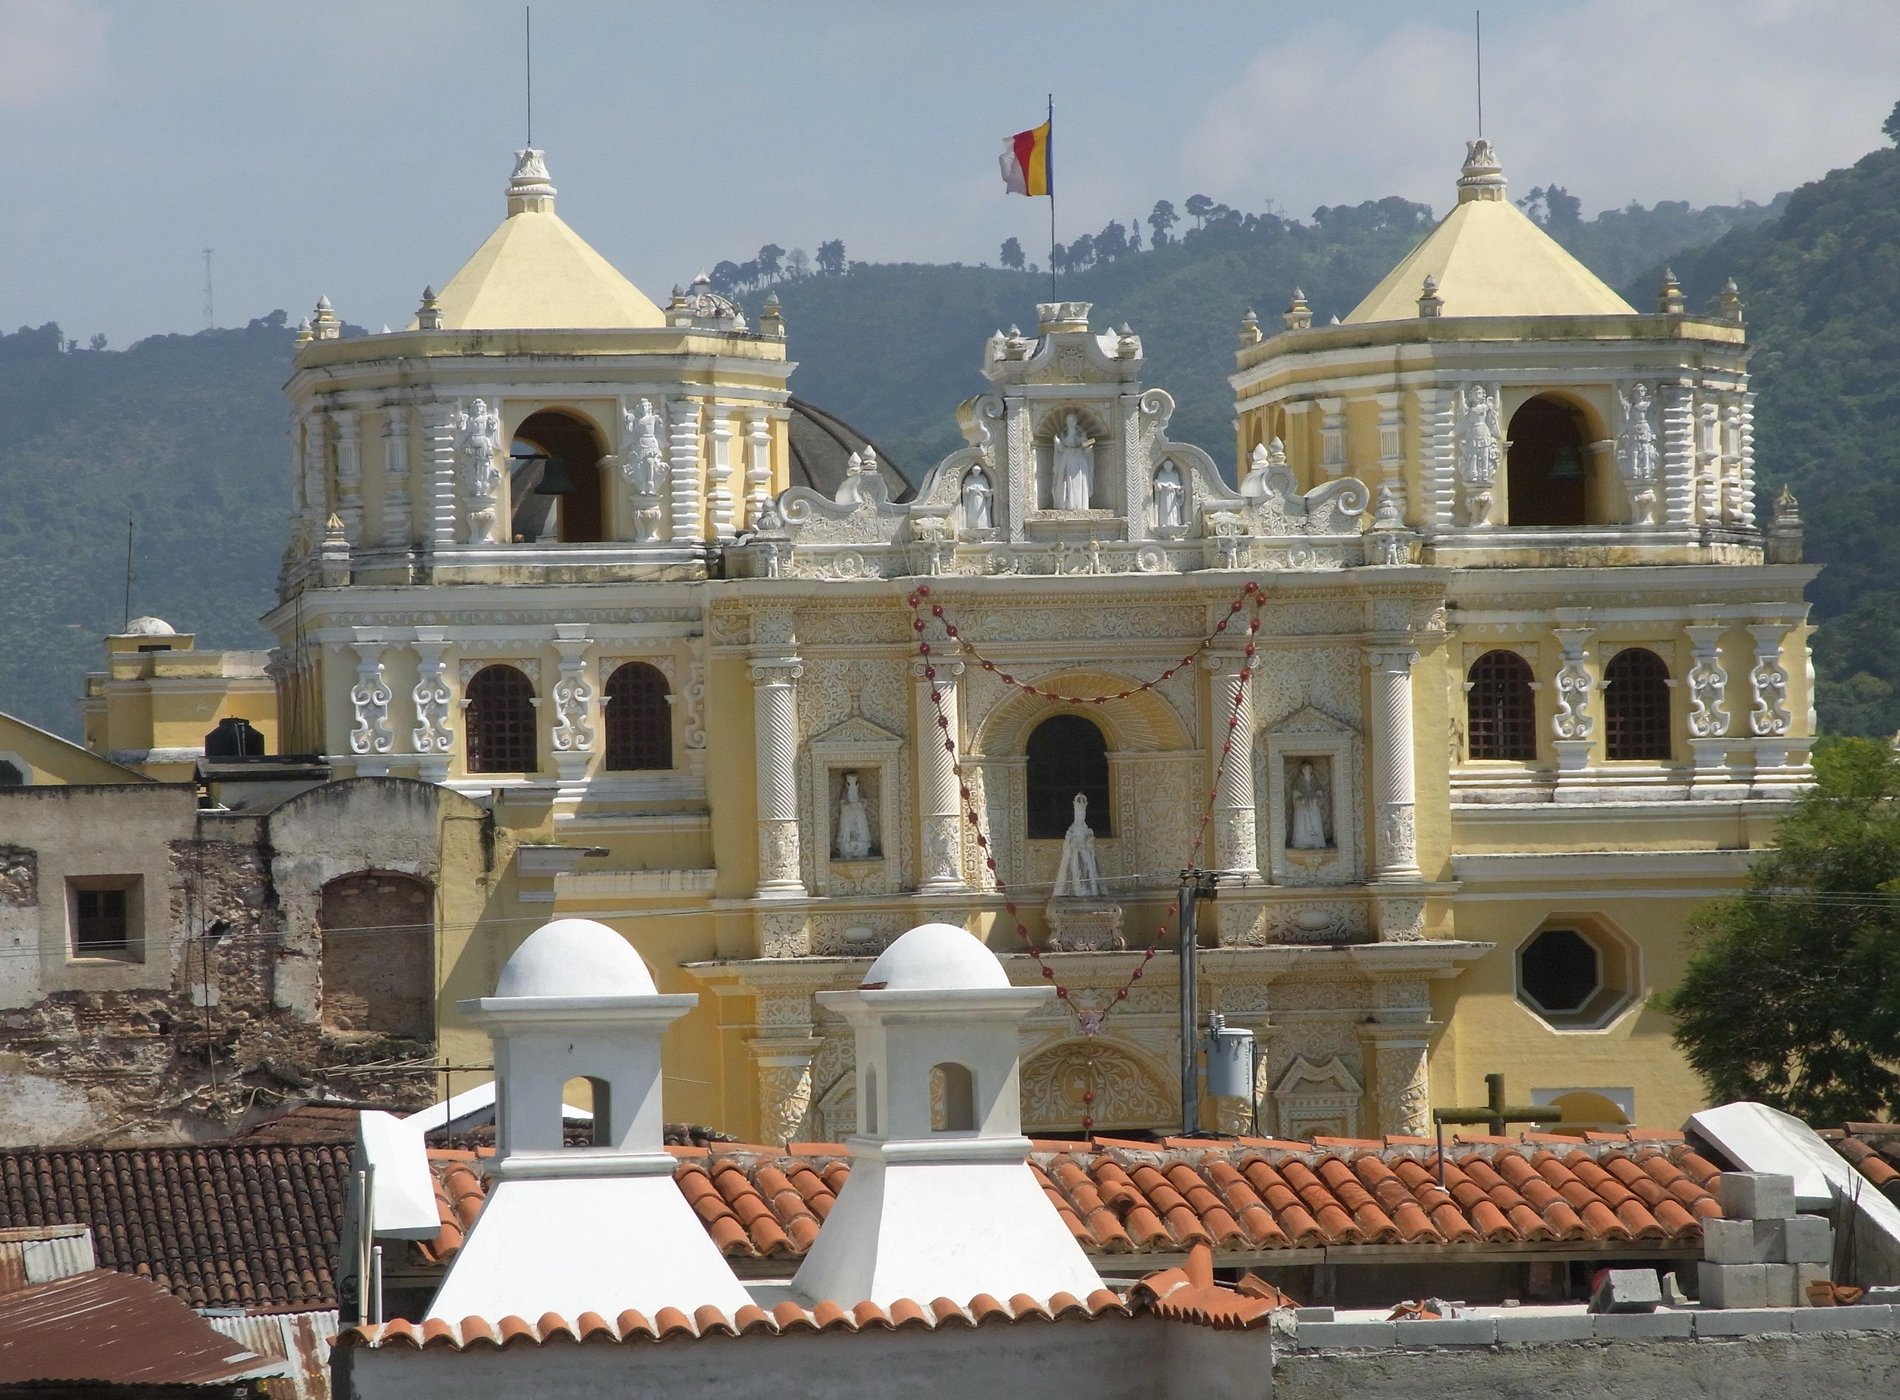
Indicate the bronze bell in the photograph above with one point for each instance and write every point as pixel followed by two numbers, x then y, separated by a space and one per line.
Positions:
pixel 556 480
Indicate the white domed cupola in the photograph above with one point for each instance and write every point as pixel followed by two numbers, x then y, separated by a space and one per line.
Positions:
pixel 940 1201
pixel 574 1229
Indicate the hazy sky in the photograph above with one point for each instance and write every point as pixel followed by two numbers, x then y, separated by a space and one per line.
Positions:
pixel 359 148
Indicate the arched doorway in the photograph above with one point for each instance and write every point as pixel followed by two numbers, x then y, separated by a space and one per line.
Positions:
pixel 1547 472
pixel 378 955
pixel 555 479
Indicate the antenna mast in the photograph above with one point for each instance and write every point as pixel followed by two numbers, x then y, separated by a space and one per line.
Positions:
pixel 1477 17
pixel 527 24
pixel 211 319
pixel 128 575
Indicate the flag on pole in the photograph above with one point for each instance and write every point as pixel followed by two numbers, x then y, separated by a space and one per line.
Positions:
pixel 1025 161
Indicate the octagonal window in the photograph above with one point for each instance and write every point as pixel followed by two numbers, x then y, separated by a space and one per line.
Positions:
pixel 1577 974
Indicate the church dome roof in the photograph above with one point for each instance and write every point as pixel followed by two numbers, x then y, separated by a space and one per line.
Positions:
pixel 149 627
pixel 536 273
pixel 575 958
pixel 822 444
pixel 936 958
pixel 1489 259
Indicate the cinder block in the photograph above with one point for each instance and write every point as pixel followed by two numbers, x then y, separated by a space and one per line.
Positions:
pixel 1626 1290
pixel 1805 1274
pixel 1744 1322
pixel 1734 1285
pixel 1673 1294
pixel 1448 1332
pixel 1546 1327
pixel 1780 1282
pixel 1741 1241
pixel 1348 1334
pixel 1622 1327
pixel 1804 1239
pixel 1882 1293
pixel 1858 1318
pixel 1312 1314
pixel 1756 1195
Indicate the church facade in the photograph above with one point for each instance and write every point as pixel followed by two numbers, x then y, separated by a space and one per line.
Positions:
pixel 1482 677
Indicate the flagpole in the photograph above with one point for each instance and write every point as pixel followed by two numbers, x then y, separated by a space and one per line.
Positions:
pixel 1049 172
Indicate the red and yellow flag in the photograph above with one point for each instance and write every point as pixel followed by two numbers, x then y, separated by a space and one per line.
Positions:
pixel 1025 161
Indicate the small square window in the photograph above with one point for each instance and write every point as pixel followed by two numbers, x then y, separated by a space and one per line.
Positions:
pixel 105 918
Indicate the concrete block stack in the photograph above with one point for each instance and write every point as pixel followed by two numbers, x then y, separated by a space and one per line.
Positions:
pixel 1761 1254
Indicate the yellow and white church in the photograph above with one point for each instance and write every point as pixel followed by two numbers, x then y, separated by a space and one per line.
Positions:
pixel 1479 681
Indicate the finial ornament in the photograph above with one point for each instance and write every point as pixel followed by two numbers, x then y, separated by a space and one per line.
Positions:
pixel 1731 302
pixel 1429 302
pixel 1298 314
pixel 529 187
pixel 1669 298
pixel 1482 176
pixel 1250 328
pixel 429 314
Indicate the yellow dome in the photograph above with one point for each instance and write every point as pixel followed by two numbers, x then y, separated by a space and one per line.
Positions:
pixel 536 273
pixel 1488 259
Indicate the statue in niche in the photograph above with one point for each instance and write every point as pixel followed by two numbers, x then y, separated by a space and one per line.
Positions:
pixel 645 465
pixel 1079 875
pixel 1641 456
pixel 1072 468
pixel 979 498
pixel 480 438
pixel 1169 490
pixel 1309 802
pixel 853 841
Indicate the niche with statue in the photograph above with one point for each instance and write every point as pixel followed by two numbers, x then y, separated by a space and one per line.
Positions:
pixel 856 804
pixel 1311 832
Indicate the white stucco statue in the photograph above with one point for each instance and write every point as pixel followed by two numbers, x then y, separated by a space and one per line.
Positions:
pixel 1168 494
pixel 479 438
pixel 1309 810
pixel 853 841
pixel 1079 875
pixel 1072 468
pixel 979 498
pixel 1641 456
pixel 645 466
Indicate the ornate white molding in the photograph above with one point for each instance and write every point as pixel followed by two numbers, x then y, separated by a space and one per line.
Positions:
pixel 1768 679
pixel 1573 719
pixel 1708 682
pixel 370 698
pixel 433 734
pixel 573 693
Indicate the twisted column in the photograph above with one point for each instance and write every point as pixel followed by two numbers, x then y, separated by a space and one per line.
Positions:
pixel 775 718
pixel 940 807
pixel 1236 848
pixel 1396 856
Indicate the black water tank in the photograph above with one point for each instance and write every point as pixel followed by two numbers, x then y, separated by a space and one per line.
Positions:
pixel 234 738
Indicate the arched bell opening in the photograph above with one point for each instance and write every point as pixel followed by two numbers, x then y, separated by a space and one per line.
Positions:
pixel 1548 474
pixel 555 480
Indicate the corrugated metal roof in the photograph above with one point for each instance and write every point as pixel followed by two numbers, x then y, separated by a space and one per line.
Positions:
pixel 42 1253
pixel 302 1339
pixel 104 1326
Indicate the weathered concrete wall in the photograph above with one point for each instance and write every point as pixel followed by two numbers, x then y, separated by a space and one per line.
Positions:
pixel 1107 1358
pixel 1771 1367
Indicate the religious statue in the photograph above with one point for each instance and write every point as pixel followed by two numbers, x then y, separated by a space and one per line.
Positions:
pixel 1641 456
pixel 1169 490
pixel 478 437
pixel 853 841
pixel 1072 463
pixel 1480 453
pixel 1308 831
pixel 645 467
pixel 979 511
pixel 1079 875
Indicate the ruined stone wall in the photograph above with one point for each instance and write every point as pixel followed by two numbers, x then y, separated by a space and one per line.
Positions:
pixel 216 1021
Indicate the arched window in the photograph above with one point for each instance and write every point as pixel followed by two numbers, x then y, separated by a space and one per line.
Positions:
pixel 1545 474
pixel 1067 755
pixel 952 1098
pixel 554 479
pixel 639 720
pixel 1500 709
pixel 501 737
pixel 1636 706
pixel 378 955
pixel 595 1096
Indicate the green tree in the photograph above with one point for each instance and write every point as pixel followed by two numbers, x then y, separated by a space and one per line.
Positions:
pixel 1792 993
pixel 1890 128
pixel 1013 253
pixel 1161 220
pixel 1198 208
pixel 771 261
pixel 831 257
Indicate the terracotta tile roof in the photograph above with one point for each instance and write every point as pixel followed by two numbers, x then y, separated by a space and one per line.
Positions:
pixel 1184 1295
pixel 107 1327
pixel 229 1225
pixel 1874 1151
pixel 1242 1197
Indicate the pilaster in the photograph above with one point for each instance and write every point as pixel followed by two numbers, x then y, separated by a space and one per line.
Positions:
pixel 349 474
pixel 1574 725
pixel 434 732
pixel 573 693
pixel 1396 1073
pixel 1396 839
pixel 371 737
pixel 1230 730
pixel 719 496
pixel 775 674
pixel 783 1064
pixel 395 533
pixel 940 806
pixel 686 514
pixel 758 471
pixel 438 456
pixel 1678 435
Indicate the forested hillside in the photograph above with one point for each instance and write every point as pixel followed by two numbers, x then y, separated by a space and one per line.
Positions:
pixel 187 432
